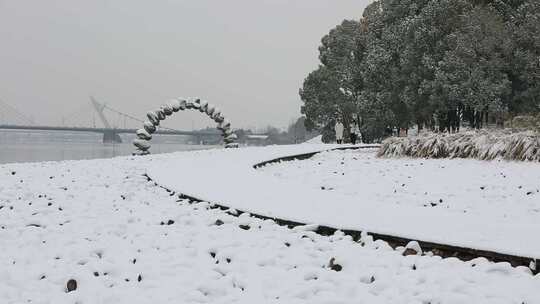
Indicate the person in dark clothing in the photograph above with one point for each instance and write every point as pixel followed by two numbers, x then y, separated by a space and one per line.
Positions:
pixel 354 131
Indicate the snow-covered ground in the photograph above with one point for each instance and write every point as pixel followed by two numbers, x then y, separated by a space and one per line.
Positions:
pixel 499 190
pixel 125 240
pixel 464 203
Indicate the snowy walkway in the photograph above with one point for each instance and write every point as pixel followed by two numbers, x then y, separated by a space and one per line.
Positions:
pixel 126 241
pixel 227 178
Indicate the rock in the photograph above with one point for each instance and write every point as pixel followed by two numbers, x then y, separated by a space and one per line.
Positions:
pixel 203 106
pixel 174 104
pixel 142 145
pixel 183 103
pixel 160 114
pixel 231 145
pixel 412 248
pixel 210 110
pixel 71 285
pixel 167 109
pixel 216 114
pixel 223 125
pixel 334 266
pixel 218 222
pixel 149 127
pixel 153 118
pixel 143 134
pixel 245 227
pixel 196 104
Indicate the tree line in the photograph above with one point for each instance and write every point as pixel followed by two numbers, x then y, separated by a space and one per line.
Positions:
pixel 434 64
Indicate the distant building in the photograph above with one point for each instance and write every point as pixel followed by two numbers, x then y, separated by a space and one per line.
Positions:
pixel 256 140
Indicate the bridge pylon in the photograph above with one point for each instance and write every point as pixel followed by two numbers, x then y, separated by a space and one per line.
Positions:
pixel 109 135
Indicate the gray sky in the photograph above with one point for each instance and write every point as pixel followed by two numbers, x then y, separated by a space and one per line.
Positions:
pixel 249 57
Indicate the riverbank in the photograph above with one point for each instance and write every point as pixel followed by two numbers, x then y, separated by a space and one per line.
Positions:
pixel 124 239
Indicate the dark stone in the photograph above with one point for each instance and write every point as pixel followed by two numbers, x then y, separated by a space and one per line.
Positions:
pixel 170 222
pixel 139 278
pixel 287 244
pixel 245 227
pixel 213 254
pixel 96 274
pixel 13 172
pixel 218 222
pixel 71 285
pixel 334 266
pixel 409 251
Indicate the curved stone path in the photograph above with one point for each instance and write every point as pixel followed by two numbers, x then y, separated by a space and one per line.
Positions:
pixel 228 179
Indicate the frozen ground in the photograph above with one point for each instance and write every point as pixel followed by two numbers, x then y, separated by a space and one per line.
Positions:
pixel 124 240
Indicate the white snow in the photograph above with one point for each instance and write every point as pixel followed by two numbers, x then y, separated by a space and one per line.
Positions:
pixel 481 208
pixel 99 222
pixel 315 140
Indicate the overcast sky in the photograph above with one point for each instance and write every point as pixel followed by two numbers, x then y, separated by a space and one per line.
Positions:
pixel 249 57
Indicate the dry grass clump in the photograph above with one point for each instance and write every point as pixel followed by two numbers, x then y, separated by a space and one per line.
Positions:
pixel 485 145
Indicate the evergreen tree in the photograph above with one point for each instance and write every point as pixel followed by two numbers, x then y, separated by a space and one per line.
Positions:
pixel 430 63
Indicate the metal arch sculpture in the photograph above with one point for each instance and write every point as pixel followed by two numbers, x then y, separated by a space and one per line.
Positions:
pixel 144 135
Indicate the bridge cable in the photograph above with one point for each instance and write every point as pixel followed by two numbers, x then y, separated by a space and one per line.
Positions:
pixel 134 118
pixel 8 108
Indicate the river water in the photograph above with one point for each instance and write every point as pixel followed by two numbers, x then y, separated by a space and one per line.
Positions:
pixel 34 146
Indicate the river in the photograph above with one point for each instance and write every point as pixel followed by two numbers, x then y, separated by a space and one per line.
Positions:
pixel 35 146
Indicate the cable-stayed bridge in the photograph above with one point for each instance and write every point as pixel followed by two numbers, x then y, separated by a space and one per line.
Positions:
pixel 94 117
